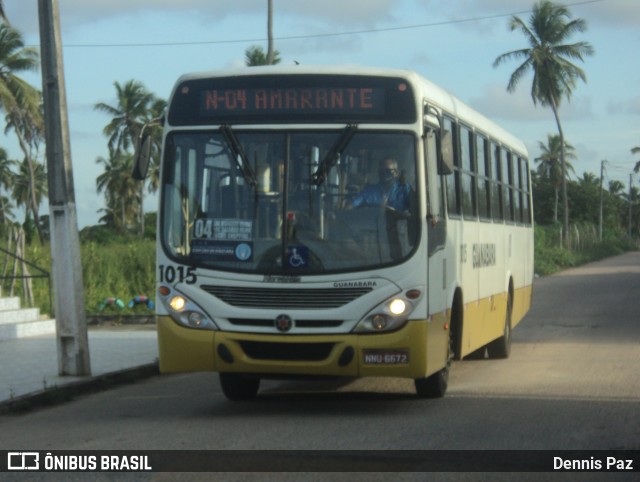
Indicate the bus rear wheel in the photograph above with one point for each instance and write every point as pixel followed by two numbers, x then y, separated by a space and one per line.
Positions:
pixel 501 348
pixel 239 387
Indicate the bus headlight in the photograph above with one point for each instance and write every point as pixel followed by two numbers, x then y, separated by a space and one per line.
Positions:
pixel 184 311
pixel 390 315
pixel 397 307
pixel 177 303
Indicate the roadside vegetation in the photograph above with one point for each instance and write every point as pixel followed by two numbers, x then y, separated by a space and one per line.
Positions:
pixel 550 257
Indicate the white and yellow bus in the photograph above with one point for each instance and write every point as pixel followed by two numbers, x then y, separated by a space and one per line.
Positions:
pixel 283 252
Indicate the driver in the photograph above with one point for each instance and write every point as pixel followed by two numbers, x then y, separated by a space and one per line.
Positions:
pixel 389 191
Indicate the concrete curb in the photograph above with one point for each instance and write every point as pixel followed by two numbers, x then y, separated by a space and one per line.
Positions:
pixel 59 394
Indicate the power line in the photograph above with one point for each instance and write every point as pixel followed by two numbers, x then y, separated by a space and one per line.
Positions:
pixel 325 35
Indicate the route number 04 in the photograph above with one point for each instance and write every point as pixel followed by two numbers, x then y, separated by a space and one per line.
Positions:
pixel 169 274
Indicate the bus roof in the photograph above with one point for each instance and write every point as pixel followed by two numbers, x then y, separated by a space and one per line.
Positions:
pixel 431 93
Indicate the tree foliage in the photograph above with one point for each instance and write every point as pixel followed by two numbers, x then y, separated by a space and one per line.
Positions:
pixel 255 55
pixel 550 58
pixel 134 108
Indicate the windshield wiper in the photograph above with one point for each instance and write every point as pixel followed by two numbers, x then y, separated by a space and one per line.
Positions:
pixel 238 152
pixel 332 156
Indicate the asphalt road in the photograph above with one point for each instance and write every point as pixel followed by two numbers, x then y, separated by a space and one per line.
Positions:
pixel 572 382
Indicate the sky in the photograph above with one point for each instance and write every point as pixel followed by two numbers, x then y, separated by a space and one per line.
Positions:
pixel 451 42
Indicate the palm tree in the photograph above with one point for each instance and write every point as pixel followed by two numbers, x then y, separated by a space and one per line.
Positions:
pixel 128 115
pixel 30 183
pixel 616 188
pixel 551 168
pixel 636 150
pixel 255 56
pixel 28 126
pixel 15 58
pixel 550 60
pixel 156 110
pixel 6 182
pixel 121 190
pixel 3 17
pixel 21 102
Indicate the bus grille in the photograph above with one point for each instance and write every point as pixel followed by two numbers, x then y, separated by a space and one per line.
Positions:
pixel 286 351
pixel 302 298
pixel 271 323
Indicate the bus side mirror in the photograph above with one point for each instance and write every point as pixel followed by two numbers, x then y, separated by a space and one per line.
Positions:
pixel 141 158
pixel 445 159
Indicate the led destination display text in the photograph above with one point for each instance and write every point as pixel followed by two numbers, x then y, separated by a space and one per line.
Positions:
pixel 360 100
pixel 292 99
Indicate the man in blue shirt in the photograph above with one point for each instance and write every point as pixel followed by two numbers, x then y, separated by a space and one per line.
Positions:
pixel 393 195
pixel 389 191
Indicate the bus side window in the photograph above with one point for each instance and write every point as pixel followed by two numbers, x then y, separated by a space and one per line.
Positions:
pixel 453 179
pixel 435 206
pixel 484 182
pixel 507 183
pixel 467 173
pixel 497 206
pixel 526 206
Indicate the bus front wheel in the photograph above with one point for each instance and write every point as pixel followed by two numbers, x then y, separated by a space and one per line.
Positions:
pixel 435 386
pixel 239 387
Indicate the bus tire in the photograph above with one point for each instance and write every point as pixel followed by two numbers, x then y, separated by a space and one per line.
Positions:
pixel 501 348
pixel 435 386
pixel 239 387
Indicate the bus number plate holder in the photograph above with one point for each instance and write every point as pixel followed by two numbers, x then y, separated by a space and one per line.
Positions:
pixel 385 357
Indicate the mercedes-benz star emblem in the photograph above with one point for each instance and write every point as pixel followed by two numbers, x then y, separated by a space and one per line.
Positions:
pixel 284 323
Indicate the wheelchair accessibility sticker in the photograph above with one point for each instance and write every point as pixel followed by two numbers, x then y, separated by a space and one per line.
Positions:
pixel 297 256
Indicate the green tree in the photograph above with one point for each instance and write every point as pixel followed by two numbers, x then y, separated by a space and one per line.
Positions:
pixel 550 168
pixel 631 211
pixel 550 58
pixel 255 56
pixel 614 207
pixel 6 183
pixel 121 190
pixel 128 115
pixel 636 150
pixel 133 109
pixel 155 112
pixel 30 182
pixel 22 104
pixel 585 198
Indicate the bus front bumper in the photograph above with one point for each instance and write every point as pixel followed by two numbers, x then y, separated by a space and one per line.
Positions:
pixel 415 351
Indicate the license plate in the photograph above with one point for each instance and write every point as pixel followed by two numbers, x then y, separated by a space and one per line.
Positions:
pixel 385 357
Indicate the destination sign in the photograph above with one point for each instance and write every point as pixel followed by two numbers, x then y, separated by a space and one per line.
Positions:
pixel 300 101
pixel 290 98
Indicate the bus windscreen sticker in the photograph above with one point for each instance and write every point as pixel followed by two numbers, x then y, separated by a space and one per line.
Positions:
pixel 222 250
pixel 297 256
pixel 223 229
pixel 223 239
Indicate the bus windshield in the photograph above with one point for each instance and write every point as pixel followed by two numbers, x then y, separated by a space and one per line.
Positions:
pixel 283 203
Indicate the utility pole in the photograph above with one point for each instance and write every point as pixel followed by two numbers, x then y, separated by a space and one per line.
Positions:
pixel 601 199
pixel 270 52
pixel 630 203
pixel 71 325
